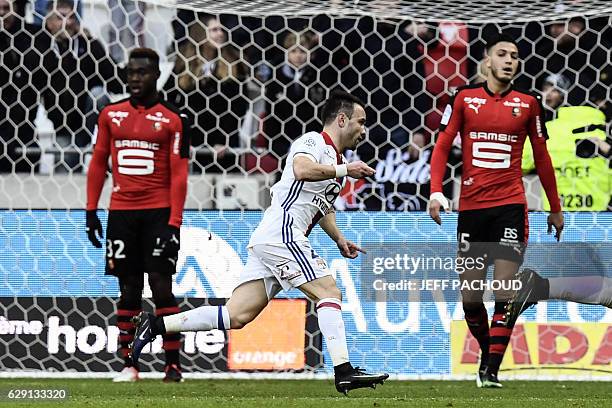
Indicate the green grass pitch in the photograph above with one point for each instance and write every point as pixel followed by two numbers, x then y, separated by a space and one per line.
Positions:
pixel 314 393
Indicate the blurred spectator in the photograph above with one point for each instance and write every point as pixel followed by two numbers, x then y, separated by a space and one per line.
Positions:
pixel 337 40
pixel 188 22
pixel 445 63
pixel 574 49
pixel 181 25
pixel 208 79
pixel 292 96
pixel 579 152
pixel 23 76
pixel 602 100
pixel 388 78
pixel 420 40
pixel 127 29
pixel 78 87
pixel 554 91
pixel 383 63
pixel 41 7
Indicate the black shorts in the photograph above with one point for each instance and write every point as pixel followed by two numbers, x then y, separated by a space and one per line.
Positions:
pixel 496 232
pixel 130 237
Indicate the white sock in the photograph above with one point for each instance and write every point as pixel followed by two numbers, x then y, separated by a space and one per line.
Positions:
pixel 595 290
pixel 329 313
pixel 201 318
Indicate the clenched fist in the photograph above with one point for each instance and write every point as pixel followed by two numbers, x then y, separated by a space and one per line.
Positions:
pixel 359 170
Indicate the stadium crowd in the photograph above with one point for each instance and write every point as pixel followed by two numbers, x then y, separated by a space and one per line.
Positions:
pixel 253 84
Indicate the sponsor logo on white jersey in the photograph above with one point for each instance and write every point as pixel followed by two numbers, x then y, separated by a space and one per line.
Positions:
pixel 310 142
pixel 332 191
pixel 331 153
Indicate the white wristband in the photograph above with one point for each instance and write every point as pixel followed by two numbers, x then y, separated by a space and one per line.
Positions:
pixel 341 170
pixel 439 197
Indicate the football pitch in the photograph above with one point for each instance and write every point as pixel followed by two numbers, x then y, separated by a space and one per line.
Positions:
pixel 313 393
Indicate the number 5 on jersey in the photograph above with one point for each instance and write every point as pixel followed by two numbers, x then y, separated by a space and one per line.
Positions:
pixel 135 162
pixel 497 155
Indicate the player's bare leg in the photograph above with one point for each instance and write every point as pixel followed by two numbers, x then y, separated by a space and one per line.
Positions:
pixel 476 318
pixel 500 331
pixel 247 301
pixel 328 299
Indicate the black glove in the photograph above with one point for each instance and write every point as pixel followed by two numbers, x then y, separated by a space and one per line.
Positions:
pixel 93 225
pixel 168 243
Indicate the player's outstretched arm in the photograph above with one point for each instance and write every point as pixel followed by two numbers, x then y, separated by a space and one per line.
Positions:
pixel 305 169
pixel 347 248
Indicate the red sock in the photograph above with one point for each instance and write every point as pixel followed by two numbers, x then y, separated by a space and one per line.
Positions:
pixel 478 322
pixel 500 337
pixel 172 341
pixel 126 332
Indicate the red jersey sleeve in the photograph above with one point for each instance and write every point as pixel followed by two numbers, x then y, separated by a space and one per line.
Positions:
pixel 99 161
pixel 179 169
pixel 543 163
pixel 451 123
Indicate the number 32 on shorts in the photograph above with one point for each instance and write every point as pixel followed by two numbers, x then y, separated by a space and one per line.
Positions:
pixel 114 248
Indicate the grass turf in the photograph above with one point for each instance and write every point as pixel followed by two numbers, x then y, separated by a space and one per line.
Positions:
pixel 313 393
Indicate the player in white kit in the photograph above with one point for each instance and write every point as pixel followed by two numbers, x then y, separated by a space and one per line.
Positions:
pixel 280 255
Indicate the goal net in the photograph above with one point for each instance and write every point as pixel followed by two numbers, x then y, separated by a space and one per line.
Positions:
pixel 252 75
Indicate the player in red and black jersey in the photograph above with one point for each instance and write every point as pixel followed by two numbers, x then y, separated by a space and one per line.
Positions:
pixel 148 142
pixel 493 120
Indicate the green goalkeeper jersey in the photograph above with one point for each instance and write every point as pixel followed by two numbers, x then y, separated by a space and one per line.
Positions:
pixel 583 183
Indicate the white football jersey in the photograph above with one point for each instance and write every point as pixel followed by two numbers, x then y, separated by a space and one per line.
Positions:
pixel 297 206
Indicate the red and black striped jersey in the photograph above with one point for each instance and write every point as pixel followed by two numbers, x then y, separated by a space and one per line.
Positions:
pixel 493 129
pixel 149 150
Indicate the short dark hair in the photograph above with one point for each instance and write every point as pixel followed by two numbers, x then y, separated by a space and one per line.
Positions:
pixel 497 38
pixel 205 18
pixel 339 101
pixel 54 5
pixel 147 53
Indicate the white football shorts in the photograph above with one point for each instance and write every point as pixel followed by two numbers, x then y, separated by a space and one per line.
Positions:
pixel 283 266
